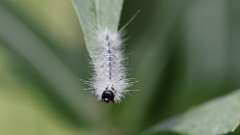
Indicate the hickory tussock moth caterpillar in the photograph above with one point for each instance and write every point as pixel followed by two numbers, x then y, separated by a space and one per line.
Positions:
pixel 110 77
pixel 110 81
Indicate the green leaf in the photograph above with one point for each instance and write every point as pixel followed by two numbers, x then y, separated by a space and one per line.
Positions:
pixel 27 44
pixel 97 13
pixel 220 116
pixel 108 13
pixel 24 112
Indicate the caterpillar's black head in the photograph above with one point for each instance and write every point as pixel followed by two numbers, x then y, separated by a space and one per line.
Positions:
pixel 108 96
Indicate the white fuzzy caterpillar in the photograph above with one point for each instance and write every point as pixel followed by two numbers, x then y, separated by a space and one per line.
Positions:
pixel 110 80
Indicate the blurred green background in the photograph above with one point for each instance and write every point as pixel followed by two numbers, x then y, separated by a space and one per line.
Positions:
pixel 181 52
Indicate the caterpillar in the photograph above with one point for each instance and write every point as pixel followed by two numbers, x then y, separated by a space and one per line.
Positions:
pixel 110 78
pixel 110 81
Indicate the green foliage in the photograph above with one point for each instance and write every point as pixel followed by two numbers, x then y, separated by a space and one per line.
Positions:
pixel 97 13
pixel 43 60
pixel 182 53
pixel 217 117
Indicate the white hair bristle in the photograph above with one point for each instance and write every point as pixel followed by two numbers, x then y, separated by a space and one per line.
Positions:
pixel 110 73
